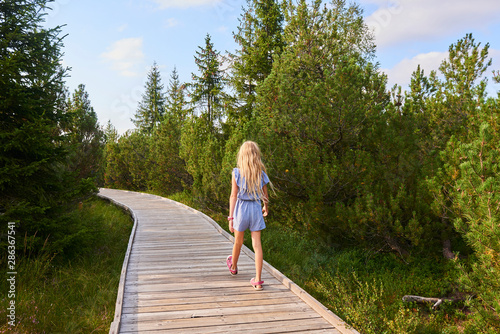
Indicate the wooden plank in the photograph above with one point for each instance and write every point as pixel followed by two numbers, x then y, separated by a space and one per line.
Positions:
pixel 180 297
pixel 177 265
pixel 287 326
pixel 167 300
pixel 209 304
pixel 197 321
pixel 134 287
pixel 192 277
pixel 155 269
pixel 185 253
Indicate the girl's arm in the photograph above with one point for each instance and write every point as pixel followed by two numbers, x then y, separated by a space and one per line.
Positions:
pixel 265 209
pixel 232 201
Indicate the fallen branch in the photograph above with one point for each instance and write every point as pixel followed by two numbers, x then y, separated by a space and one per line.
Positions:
pixel 422 300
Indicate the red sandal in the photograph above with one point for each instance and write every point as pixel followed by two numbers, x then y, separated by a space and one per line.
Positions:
pixel 229 262
pixel 256 284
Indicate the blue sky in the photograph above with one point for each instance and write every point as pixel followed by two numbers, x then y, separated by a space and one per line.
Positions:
pixel 111 45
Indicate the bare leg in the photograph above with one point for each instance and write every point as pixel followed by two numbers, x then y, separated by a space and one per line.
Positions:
pixel 238 243
pixel 259 256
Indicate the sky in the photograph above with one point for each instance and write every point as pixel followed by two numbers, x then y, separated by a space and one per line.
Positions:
pixel 111 45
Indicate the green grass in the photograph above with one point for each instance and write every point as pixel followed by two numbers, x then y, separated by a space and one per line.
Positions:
pixel 74 292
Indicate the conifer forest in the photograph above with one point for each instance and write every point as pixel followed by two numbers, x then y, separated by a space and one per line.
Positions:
pixel 408 173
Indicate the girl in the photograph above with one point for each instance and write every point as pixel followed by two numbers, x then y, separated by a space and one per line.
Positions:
pixel 248 188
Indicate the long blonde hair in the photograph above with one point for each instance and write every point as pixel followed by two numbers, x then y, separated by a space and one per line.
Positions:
pixel 251 167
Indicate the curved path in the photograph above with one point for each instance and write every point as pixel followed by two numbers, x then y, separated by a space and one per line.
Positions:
pixel 175 280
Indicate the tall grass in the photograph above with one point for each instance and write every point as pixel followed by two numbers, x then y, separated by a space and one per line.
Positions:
pixel 73 292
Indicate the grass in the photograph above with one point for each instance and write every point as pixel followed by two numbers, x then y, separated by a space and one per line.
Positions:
pixel 73 292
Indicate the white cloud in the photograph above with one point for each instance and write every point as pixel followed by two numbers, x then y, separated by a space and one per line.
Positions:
pixel 125 56
pixel 222 29
pixel 171 22
pixel 401 73
pixel 122 27
pixel 398 21
pixel 184 3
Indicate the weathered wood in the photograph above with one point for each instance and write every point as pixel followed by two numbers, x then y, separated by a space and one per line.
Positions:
pixel 196 323
pixel 228 292
pixel 175 279
pixel 295 326
pixel 206 302
pixel 431 300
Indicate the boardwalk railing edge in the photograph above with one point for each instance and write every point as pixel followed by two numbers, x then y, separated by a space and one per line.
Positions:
pixel 115 325
pixel 328 315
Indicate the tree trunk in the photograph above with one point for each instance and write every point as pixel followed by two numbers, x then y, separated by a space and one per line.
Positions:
pixel 395 245
pixel 447 253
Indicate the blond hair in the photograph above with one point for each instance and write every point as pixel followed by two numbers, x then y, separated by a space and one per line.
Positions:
pixel 251 168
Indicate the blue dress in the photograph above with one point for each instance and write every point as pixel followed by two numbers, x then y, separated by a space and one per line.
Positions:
pixel 248 210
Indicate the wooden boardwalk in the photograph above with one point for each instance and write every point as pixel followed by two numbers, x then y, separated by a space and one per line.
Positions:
pixel 175 280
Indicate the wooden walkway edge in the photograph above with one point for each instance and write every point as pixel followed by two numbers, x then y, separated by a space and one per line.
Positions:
pixel 174 279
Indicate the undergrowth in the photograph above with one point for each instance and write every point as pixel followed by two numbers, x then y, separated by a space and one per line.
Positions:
pixel 75 291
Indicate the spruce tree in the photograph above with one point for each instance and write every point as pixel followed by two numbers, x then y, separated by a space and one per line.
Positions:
pixel 207 88
pixel 35 184
pixel 176 104
pixel 152 107
pixel 85 136
pixel 203 139
pixel 168 174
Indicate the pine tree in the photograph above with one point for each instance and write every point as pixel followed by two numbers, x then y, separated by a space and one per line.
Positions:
pixel 314 105
pixel 128 163
pixel 207 89
pixel 260 40
pixel 85 136
pixel 176 104
pixel 452 111
pixel 406 200
pixel 168 174
pixel 116 171
pixel 466 187
pixel 152 107
pixel 473 165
